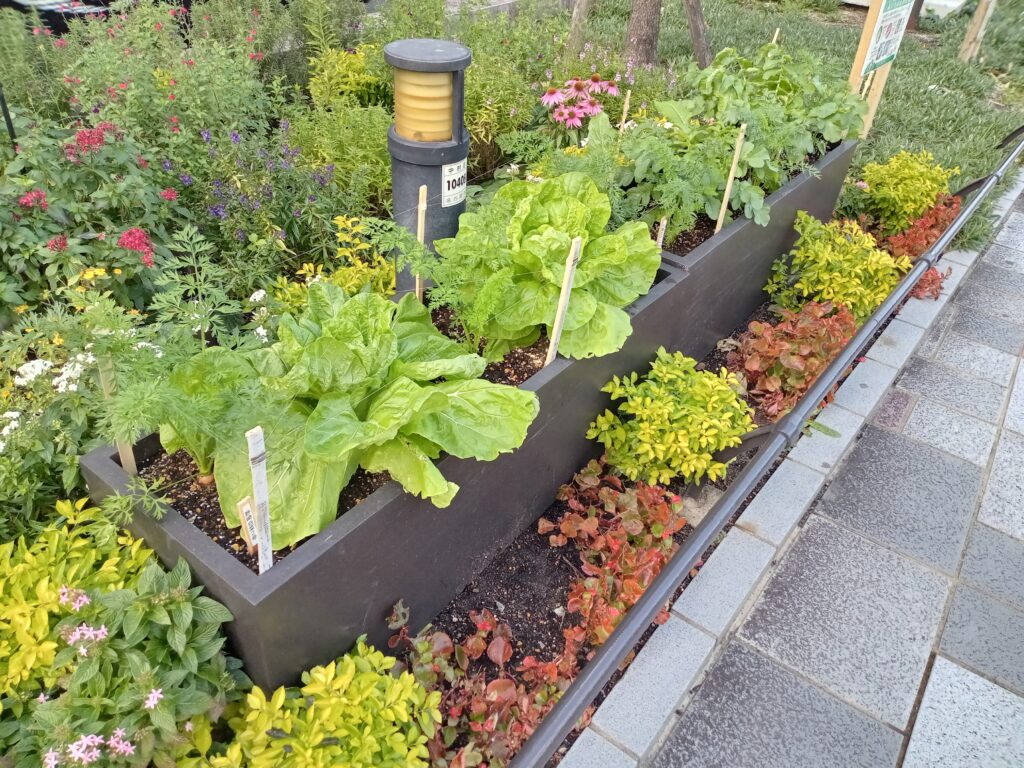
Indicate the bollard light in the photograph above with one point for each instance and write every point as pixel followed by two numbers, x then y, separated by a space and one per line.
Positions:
pixel 428 142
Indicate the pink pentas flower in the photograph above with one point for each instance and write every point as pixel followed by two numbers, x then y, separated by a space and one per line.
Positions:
pixel 552 97
pixel 169 194
pixel 136 239
pixel 60 42
pixel 35 198
pixel 58 243
pixel 153 698
pixel 51 759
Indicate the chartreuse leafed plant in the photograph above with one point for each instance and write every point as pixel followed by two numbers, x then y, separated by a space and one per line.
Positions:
pixel 353 712
pixel 352 382
pixel 903 188
pixel 109 659
pixel 502 273
pixel 836 262
pixel 672 422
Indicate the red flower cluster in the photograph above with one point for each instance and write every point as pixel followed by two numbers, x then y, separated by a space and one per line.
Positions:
pixel 88 140
pixel 32 199
pixel 136 239
pixel 170 194
pixel 58 243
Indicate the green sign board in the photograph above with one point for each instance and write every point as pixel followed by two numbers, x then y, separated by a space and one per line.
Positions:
pixel 888 33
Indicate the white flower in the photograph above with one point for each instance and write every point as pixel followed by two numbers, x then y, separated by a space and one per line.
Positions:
pixel 583 142
pixel 31 371
pixel 2 446
pixel 258 297
pixel 12 415
pixel 157 352
pixel 261 333
pixel 667 125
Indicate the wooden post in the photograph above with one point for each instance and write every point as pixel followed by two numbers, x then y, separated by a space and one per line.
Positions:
pixel 971 45
pixel 662 225
pixel 732 174
pixel 124 450
pixel 261 497
pixel 563 299
pixel 856 71
pixel 421 235
pixel 775 37
pixel 874 95
pixel 625 112
pixel 698 32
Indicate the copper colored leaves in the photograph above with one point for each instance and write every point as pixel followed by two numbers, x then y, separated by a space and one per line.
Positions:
pixel 922 233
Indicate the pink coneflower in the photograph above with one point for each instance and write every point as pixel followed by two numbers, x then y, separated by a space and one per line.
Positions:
pixel 560 114
pixel 596 82
pixel 589 108
pixel 574 118
pixel 577 89
pixel 153 698
pixel 552 97
pixel 611 88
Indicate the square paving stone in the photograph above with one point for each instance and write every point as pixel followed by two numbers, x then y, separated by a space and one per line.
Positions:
pixel 857 618
pixel 979 360
pixel 951 431
pixel 593 751
pixel 965 720
pixel 961 257
pixel 822 451
pixel 752 713
pixel 864 388
pixel 1000 304
pixel 902 493
pixel 947 385
pixel 1015 408
pixel 986 635
pixel 781 502
pixel 1012 233
pixel 938 329
pixel 896 344
pixel 725 582
pixel 1003 504
pixel 1005 258
pixel 998 279
pixel 666 667
pixel 951 281
pixel 894 409
pixel 920 312
pixel 994 331
pixel 995 562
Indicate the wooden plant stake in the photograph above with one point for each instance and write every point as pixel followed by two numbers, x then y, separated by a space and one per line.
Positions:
pixel 248 518
pixel 261 496
pixel 971 45
pixel 625 112
pixel 732 175
pixel 873 95
pixel 662 225
pixel 421 235
pixel 563 299
pixel 124 450
pixel 775 37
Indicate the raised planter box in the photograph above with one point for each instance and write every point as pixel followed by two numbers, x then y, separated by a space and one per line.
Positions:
pixel 341 583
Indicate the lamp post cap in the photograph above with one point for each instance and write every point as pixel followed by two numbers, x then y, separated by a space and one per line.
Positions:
pixel 427 55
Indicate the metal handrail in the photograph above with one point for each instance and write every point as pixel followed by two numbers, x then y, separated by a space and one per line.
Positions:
pixel 564 716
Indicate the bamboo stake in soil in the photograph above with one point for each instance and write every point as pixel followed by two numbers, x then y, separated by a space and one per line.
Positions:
pixel 421 234
pixel 732 175
pixel 625 112
pixel 775 37
pixel 124 449
pixel 661 231
pixel 563 300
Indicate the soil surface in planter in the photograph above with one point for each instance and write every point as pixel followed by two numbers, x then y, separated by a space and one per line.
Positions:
pixel 176 478
pixel 703 230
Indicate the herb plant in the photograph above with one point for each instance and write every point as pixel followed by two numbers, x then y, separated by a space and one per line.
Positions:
pixel 502 273
pixel 836 262
pixel 672 422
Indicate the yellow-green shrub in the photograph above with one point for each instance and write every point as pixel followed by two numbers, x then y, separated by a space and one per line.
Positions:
pixel 336 75
pixel 86 553
pixel 904 187
pixel 352 712
pixel 837 262
pixel 672 422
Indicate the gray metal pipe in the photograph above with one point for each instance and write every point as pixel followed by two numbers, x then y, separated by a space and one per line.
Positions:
pixel 563 717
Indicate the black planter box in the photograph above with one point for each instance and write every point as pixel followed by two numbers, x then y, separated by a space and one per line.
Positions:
pixel 341 583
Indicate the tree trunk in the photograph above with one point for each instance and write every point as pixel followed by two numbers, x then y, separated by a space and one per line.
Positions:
pixel 698 32
pixel 642 33
pixel 915 15
pixel 580 12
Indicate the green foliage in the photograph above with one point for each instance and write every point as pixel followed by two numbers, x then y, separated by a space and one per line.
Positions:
pixel 337 76
pixel 502 273
pixel 353 381
pixel 672 422
pixel 903 188
pixel 836 262
pixel 92 628
pixel 780 362
pixel 353 712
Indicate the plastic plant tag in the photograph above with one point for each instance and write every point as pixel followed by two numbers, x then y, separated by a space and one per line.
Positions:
pixel 261 494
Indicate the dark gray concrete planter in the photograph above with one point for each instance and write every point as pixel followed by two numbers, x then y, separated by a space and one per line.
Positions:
pixel 341 583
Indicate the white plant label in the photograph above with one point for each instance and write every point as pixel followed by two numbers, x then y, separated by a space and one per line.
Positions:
pixel 453 184
pixel 261 494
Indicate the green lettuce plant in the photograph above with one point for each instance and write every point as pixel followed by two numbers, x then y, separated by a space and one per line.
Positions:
pixel 502 273
pixel 352 382
pixel 672 422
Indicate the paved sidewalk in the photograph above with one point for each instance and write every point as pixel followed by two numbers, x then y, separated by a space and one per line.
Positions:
pixel 868 608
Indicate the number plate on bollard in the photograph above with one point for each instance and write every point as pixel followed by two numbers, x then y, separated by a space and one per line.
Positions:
pixel 453 183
